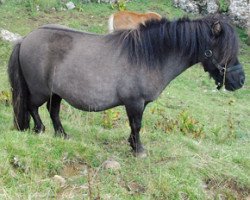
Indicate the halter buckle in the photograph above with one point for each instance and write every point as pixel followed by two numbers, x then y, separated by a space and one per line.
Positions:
pixel 208 53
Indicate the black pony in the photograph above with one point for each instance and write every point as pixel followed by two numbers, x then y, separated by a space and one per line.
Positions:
pixel 129 67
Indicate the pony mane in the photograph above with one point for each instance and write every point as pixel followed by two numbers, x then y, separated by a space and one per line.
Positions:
pixel 151 43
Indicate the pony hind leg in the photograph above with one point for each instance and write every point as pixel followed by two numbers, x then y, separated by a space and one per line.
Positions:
pixel 53 107
pixel 38 127
pixel 135 112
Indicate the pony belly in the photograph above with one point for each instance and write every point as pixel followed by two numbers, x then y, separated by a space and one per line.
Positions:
pixel 87 99
pixel 92 106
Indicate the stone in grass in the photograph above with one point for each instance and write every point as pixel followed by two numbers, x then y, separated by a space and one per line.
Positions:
pixel 60 180
pixel 70 5
pixel 111 164
pixel 9 36
pixel 135 187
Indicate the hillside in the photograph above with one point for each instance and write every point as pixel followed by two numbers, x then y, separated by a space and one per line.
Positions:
pixel 197 137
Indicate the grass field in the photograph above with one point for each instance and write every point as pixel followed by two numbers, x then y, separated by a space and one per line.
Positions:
pixel 198 138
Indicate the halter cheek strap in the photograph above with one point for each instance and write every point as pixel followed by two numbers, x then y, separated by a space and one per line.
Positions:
pixel 209 54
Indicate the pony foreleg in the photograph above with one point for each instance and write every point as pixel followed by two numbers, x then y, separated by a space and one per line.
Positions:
pixel 53 107
pixel 135 112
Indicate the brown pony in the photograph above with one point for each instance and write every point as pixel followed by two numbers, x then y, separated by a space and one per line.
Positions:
pixel 130 20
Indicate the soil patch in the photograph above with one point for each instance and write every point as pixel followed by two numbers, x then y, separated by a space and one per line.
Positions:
pixel 227 189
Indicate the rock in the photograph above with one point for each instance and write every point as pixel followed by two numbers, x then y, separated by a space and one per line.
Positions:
pixel 70 5
pixel 187 5
pixel 198 6
pixel 248 197
pixel 111 164
pixel 212 6
pixel 9 36
pixel 107 197
pixel 238 10
pixel 60 180
pixel 135 187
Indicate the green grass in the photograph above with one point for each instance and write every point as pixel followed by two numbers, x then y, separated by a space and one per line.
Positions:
pixel 197 137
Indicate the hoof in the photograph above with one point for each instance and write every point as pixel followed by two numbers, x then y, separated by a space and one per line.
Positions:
pixel 141 153
pixel 39 130
pixel 62 135
pixel 66 136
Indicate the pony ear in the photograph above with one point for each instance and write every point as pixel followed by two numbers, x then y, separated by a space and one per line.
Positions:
pixel 216 28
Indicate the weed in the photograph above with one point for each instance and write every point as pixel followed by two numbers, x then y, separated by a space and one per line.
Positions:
pixel 5 97
pixel 216 131
pixel 18 165
pixel 189 125
pixel 80 7
pixel 231 127
pixel 110 118
pixel 119 5
pixel 223 5
pixel 184 123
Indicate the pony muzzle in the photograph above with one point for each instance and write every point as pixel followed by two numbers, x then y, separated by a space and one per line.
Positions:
pixel 235 77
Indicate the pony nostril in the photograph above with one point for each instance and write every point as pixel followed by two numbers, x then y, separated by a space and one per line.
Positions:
pixel 242 80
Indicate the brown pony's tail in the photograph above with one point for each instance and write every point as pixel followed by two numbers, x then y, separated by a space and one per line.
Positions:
pixel 20 92
pixel 111 23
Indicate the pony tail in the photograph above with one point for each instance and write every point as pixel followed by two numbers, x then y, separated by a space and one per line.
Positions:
pixel 19 89
pixel 111 23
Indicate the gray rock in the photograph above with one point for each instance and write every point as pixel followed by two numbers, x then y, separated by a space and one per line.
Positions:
pixel 9 36
pixel 238 11
pixel 212 6
pixel 70 5
pixel 111 164
pixel 187 5
pixel 59 180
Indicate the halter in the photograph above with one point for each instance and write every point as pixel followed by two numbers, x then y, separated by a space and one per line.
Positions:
pixel 209 54
pixel 223 70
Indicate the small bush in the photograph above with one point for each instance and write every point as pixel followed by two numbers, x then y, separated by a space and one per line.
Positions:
pixel 119 5
pixel 184 123
pixel 224 5
pixel 110 118
pixel 5 97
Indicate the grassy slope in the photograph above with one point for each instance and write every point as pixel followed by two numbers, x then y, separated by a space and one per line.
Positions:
pixel 198 138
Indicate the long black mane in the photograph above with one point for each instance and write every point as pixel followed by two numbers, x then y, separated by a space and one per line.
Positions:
pixel 150 43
